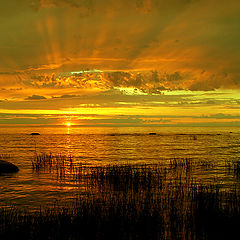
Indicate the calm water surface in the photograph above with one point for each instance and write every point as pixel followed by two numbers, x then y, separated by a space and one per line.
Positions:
pixel 102 146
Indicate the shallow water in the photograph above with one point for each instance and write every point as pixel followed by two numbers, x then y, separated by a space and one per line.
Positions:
pixel 208 148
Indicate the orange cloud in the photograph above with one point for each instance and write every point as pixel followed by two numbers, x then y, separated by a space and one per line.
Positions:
pixel 111 56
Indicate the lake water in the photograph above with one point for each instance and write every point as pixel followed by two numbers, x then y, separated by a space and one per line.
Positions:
pixel 208 148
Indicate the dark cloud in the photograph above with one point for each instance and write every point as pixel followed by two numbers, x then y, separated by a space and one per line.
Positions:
pixel 128 120
pixel 67 96
pixel 203 86
pixel 222 116
pixel 152 82
pixel 121 120
pixel 35 97
pixel 83 8
pixel 37 120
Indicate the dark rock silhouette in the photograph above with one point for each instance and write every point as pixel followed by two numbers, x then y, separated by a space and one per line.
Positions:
pixel 7 167
pixel 35 134
pixel 152 133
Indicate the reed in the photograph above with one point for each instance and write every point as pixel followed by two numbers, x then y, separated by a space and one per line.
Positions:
pixel 129 201
pixel 208 214
pixel 236 168
pixel 119 176
pixel 186 163
pixel 49 161
pixel 123 177
pixel 233 168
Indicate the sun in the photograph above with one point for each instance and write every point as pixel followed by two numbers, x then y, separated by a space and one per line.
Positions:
pixel 68 124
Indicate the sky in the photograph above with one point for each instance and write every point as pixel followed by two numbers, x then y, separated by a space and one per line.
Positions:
pixel 120 63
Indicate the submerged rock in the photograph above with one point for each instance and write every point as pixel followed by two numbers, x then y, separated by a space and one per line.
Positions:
pixel 7 167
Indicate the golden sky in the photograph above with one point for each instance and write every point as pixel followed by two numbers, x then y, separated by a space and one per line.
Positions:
pixel 108 62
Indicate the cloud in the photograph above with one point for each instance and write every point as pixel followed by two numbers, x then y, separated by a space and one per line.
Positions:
pixel 35 97
pixel 84 7
pixel 192 44
pixel 222 116
pixel 151 55
pixel 150 81
pixel 67 96
pixel 57 3
pixel 122 120
pixel 143 6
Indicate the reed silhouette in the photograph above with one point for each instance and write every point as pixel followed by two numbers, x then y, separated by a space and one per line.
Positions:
pixel 128 201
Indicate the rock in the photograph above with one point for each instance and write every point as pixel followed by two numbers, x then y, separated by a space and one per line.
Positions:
pixel 152 133
pixel 35 134
pixel 7 167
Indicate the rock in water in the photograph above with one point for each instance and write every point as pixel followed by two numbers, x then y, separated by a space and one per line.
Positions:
pixel 7 167
pixel 35 134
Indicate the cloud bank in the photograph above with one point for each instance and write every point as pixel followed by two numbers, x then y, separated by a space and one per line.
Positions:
pixel 98 54
pixel 192 44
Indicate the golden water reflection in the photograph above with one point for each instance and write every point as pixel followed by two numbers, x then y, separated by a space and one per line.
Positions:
pixel 82 164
